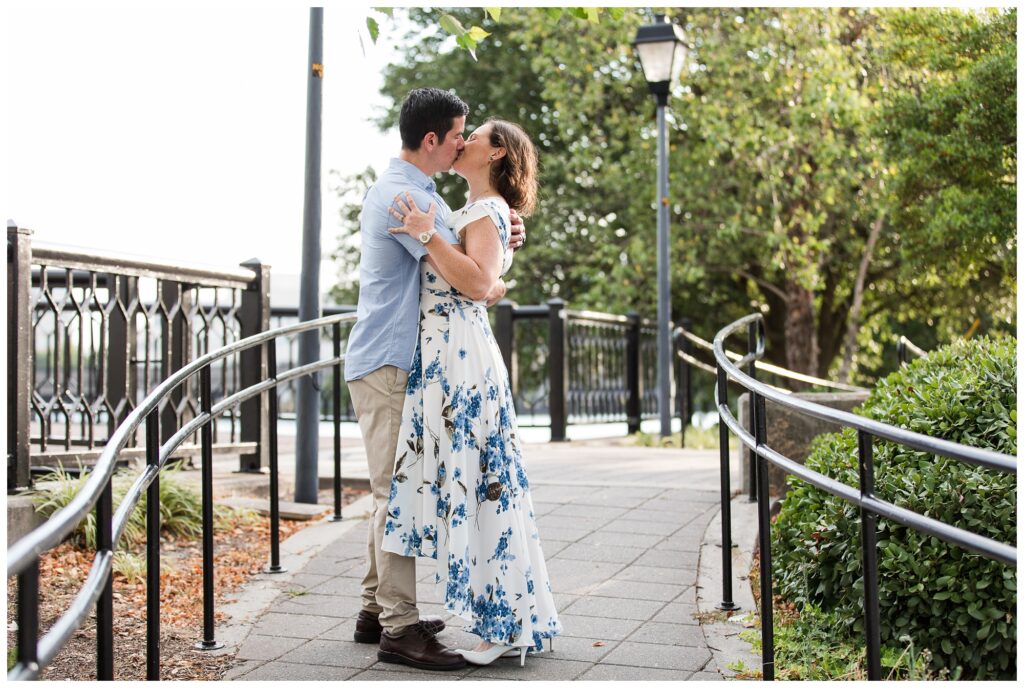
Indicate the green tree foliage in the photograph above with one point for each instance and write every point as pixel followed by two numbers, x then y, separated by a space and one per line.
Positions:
pixel 791 144
pixel 950 130
pixel 960 605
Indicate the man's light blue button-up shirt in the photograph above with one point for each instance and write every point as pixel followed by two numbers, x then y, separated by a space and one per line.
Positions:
pixel 389 274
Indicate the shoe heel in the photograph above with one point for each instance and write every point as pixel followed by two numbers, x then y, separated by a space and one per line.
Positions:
pixel 551 644
pixel 522 656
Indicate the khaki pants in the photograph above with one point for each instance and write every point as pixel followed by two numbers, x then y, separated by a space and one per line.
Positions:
pixel 389 587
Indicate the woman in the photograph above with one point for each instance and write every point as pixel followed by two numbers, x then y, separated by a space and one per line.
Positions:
pixel 460 492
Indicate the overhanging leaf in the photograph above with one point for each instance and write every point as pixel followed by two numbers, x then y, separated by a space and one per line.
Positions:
pixel 452 26
pixel 371 25
pixel 494 12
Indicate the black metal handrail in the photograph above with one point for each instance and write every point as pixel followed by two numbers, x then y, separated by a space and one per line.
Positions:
pixel 864 497
pixel 23 557
pixel 760 365
pixel 904 347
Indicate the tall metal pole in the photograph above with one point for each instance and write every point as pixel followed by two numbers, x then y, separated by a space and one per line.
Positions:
pixel 307 408
pixel 664 305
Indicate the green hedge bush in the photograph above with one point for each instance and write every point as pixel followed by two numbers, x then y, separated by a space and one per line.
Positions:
pixel 959 605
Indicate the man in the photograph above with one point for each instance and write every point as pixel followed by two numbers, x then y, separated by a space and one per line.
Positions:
pixel 379 356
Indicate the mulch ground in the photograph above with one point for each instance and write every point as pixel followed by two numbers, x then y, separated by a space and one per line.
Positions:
pixel 240 551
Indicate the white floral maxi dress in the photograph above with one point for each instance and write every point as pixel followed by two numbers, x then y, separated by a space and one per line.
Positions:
pixel 459 493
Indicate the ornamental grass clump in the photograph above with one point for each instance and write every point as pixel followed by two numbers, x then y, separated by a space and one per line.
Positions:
pixel 180 505
pixel 959 605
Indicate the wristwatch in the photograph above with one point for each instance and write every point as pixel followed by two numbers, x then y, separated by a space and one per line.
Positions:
pixel 425 236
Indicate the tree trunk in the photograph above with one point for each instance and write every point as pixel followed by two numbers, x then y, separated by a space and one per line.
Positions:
pixel 801 333
pixel 853 322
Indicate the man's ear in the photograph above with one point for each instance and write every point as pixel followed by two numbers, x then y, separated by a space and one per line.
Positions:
pixel 429 141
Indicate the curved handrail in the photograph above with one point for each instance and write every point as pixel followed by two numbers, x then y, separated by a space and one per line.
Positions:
pixel 926 443
pixel 51 533
pixel 863 496
pixel 761 365
pixel 903 346
pixel 26 551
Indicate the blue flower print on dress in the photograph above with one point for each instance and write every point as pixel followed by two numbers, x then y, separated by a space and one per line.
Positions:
pixel 460 493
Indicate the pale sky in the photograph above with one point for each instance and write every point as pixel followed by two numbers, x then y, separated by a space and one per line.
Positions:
pixel 179 132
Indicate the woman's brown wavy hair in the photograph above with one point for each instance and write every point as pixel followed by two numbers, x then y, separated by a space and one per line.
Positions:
pixel 515 175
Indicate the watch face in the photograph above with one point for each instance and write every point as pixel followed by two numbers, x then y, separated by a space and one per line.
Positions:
pixel 425 237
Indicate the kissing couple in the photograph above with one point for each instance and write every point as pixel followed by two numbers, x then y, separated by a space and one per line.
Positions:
pixel 433 398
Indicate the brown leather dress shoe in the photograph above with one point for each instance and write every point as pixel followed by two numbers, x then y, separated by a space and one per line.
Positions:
pixel 417 647
pixel 368 628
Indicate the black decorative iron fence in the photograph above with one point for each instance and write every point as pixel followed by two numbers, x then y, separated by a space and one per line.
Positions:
pixel 871 507
pixel 91 333
pixel 34 653
pixel 578 366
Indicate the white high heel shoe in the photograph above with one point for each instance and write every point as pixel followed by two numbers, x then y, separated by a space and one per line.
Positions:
pixel 485 657
pixel 514 651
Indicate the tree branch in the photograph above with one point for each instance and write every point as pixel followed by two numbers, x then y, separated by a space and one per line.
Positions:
pixel 763 284
pixel 853 324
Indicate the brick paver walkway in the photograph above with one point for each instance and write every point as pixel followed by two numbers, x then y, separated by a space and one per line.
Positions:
pixel 621 529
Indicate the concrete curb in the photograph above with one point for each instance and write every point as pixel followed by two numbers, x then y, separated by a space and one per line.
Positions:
pixel 249 602
pixel 721 633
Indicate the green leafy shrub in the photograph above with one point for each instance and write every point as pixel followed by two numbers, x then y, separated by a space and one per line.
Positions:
pixel 180 505
pixel 959 605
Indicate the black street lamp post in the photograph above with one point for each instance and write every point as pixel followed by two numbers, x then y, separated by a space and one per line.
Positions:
pixel 662 53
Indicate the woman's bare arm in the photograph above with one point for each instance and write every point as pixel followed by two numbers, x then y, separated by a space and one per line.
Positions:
pixel 476 272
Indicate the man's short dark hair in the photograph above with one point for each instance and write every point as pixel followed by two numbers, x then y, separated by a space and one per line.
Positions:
pixel 428 110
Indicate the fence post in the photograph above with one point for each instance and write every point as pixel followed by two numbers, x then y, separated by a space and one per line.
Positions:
pixel 557 367
pixel 722 387
pixel 633 406
pixel 868 539
pixel 336 416
pixel 105 604
pixel 764 537
pixel 153 549
pixel 20 358
pixel 504 333
pixel 752 372
pixel 254 316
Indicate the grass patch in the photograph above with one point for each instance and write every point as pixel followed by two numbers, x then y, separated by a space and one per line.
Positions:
pixel 815 645
pixel 807 648
pixel 696 438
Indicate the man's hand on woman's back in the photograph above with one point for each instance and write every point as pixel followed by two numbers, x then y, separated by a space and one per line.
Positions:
pixel 518 237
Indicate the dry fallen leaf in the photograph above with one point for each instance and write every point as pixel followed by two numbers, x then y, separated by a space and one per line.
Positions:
pixel 598 643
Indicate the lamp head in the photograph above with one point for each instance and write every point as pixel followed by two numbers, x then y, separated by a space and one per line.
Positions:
pixel 662 54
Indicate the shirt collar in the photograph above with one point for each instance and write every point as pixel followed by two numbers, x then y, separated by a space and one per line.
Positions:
pixel 414 174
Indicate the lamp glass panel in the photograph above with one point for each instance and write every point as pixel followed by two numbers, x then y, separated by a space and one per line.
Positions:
pixel 678 60
pixel 656 59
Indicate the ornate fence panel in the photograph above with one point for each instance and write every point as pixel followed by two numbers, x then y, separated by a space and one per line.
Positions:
pixel 598 389
pixel 578 367
pixel 95 596
pixel 92 333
